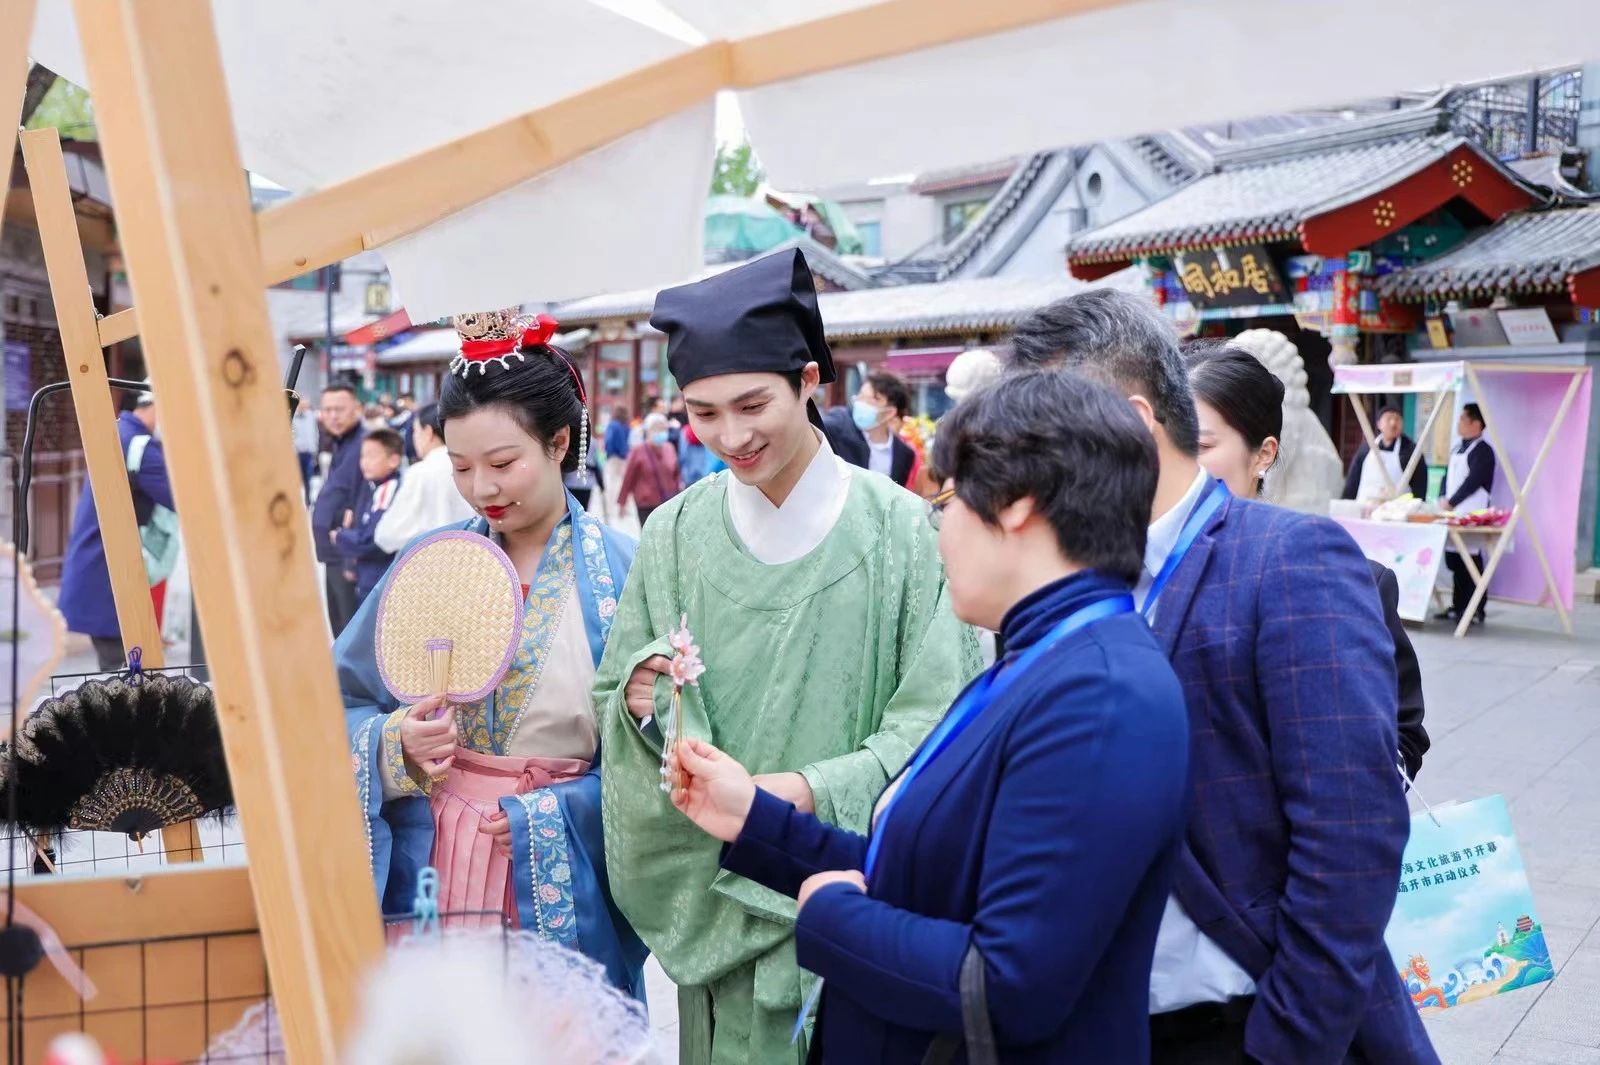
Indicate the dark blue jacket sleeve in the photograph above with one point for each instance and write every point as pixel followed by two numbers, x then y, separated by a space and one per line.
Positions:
pixel 152 475
pixel 356 543
pixel 1480 474
pixel 780 846
pixel 1419 476
pixel 1352 479
pixel 1325 671
pixel 1083 809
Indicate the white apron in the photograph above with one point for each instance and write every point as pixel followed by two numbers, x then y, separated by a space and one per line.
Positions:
pixel 1373 486
pixel 1453 478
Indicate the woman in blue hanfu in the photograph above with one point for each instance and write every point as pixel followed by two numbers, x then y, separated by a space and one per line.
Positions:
pixel 502 796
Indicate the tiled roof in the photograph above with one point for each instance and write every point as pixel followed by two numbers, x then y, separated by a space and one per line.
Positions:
pixel 1261 200
pixel 968 305
pixel 972 305
pixel 639 302
pixel 1527 251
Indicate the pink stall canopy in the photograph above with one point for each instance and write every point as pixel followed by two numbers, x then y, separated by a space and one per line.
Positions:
pixel 1537 419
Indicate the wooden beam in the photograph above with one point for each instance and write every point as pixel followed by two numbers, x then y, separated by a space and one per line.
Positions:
pixel 96 408
pixel 115 328
pixel 319 228
pixel 16 30
pixel 91 396
pixel 190 241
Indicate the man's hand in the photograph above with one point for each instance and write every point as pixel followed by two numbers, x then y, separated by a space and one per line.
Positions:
pixel 429 743
pixel 1446 506
pixel 640 692
pixel 817 881
pixel 714 791
pixel 791 788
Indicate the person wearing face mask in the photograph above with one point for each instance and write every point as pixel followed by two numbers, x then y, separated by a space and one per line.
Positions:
pixel 1240 406
pixel 817 596
pixel 651 476
pixel 502 796
pixel 865 433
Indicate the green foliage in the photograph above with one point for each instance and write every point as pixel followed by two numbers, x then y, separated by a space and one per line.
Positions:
pixel 738 172
pixel 68 109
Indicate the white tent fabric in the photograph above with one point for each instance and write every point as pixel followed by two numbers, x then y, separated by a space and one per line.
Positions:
pixel 324 91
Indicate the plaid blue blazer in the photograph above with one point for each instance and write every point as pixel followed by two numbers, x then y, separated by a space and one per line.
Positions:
pixel 1297 816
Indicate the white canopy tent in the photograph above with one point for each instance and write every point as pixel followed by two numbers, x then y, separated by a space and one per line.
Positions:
pixel 503 151
pixel 597 185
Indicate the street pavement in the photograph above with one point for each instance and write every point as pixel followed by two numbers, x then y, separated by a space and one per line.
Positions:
pixel 1513 709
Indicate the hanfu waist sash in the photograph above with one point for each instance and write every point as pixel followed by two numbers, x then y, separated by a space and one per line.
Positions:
pixel 474 877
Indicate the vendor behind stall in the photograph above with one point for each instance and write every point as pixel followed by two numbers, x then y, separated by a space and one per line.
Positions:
pixel 1367 480
pixel 1467 485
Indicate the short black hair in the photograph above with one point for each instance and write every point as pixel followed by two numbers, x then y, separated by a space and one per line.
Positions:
pixel 1119 339
pixel 1235 384
pixel 388 439
pixel 428 414
pixel 539 390
pixel 342 386
pixel 1475 412
pixel 893 390
pixel 1390 408
pixel 796 379
pixel 1071 444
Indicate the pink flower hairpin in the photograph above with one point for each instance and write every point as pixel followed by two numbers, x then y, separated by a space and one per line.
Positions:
pixel 686 668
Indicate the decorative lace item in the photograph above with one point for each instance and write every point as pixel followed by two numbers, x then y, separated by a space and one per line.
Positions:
pixel 495 997
pixel 686 668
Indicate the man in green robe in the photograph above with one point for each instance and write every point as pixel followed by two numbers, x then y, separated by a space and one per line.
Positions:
pixel 816 595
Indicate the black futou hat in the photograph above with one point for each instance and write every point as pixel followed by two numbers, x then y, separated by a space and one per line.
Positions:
pixel 757 318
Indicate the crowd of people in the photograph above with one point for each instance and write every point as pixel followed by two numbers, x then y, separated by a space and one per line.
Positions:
pixel 1162 820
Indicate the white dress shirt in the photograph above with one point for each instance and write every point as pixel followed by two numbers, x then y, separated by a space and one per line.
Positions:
pixel 881 456
pixel 426 501
pixel 775 535
pixel 1188 968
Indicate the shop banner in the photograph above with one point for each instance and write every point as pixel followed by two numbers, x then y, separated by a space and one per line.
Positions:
pixel 1412 549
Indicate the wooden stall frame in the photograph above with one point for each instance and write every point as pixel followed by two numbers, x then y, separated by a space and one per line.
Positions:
pixel 93 402
pixel 1371 437
pixel 1519 489
pixel 16 28
pixel 197 259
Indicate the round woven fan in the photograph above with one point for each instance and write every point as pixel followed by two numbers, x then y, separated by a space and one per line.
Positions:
pixel 450 619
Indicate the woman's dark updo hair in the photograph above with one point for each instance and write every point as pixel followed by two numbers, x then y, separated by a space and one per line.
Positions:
pixel 1235 384
pixel 538 390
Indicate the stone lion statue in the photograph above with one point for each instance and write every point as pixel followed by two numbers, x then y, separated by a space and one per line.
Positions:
pixel 1308 473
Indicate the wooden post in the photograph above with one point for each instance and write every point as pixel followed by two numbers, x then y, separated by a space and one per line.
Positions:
pixel 16 30
pixel 1368 435
pixel 1422 437
pixel 96 410
pixel 195 265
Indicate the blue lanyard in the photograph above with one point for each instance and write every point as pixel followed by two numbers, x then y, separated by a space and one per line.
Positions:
pixel 989 687
pixel 984 691
pixel 1209 504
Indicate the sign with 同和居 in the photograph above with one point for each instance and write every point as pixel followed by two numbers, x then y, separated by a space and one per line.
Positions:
pixel 1240 276
pixel 19 381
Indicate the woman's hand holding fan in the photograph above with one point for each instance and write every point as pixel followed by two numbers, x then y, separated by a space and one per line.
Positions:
pixel 448 628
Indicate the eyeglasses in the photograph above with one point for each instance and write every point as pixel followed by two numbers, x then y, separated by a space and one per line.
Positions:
pixel 936 506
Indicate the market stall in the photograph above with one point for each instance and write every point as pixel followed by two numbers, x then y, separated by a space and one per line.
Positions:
pixel 1536 417
pixel 478 178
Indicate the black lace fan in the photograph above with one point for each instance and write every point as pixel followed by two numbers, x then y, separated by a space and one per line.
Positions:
pixel 121 756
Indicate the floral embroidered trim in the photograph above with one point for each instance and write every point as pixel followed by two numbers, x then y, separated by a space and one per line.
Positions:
pixel 546 607
pixel 550 868
pixel 361 762
pixel 601 583
pixel 394 758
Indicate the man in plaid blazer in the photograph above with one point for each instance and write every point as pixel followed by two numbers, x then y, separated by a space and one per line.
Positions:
pixel 1271 948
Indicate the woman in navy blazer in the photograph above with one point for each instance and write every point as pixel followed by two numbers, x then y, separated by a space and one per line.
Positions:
pixel 1033 836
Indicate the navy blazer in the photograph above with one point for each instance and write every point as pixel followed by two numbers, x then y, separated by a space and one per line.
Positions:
pixel 1299 818
pixel 1043 835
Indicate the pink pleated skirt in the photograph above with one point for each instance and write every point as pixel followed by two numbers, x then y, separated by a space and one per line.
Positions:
pixel 474 877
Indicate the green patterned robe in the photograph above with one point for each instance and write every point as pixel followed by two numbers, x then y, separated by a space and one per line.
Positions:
pixel 835 665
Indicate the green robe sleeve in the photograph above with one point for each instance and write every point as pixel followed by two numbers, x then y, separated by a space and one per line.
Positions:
pixel 938 656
